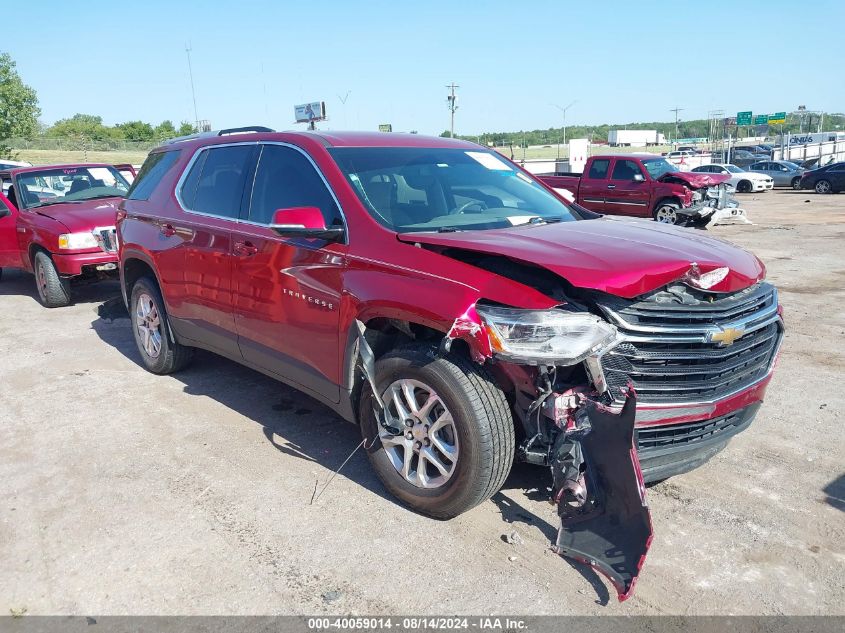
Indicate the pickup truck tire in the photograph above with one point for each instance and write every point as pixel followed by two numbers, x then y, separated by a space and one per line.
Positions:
pixel 480 431
pixel 159 353
pixel 796 183
pixel 666 212
pixel 53 291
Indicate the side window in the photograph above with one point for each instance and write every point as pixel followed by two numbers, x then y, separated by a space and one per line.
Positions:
pixel 188 192
pixel 598 169
pixel 625 170
pixel 219 180
pixel 285 179
pixel 152 171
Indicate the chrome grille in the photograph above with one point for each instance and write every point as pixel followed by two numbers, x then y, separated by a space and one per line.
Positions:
pixel 668 353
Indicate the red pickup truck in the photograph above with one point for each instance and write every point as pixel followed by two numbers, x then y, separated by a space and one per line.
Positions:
pixel 642 185
pixel 58 223
pixel 444 300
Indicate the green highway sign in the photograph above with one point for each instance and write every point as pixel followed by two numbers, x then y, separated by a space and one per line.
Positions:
pixel 761 119
pixel 743 118
pixel 778 118
pixel 385 127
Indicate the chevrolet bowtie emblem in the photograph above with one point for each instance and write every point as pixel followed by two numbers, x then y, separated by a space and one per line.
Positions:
pixel 726 336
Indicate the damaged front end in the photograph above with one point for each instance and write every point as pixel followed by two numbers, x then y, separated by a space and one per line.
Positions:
pixel 598 486
pixel 711 200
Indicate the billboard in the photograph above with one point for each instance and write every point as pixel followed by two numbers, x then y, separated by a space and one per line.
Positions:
pixel 385 127
pixel 310 112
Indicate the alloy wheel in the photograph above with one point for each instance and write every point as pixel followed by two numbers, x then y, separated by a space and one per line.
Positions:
pixel 426 451
pixel 822 186
pixel 148 322
pixel 666 215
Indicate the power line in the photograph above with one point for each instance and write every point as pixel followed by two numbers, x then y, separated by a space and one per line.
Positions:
pixel 193 92
pixel 676 109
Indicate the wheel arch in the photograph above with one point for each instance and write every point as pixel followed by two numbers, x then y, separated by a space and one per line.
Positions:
pixel 133 266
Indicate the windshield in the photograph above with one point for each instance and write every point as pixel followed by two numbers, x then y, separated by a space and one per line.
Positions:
pixel 435 189
pixel 68 184
pixel 658 166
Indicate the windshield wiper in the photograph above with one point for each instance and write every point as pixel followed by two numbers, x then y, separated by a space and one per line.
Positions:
pixel 47 203
pixel 448 229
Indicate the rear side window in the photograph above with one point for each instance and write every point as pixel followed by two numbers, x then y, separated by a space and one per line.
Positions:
pixel 598 169
pixel 285 178
pixel 215 183
pixel 152 171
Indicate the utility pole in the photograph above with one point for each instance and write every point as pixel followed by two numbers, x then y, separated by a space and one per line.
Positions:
pixel 193 93
pixel 452 102
pixel 676 110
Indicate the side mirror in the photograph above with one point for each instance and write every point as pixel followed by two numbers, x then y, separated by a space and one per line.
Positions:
pixel 4 211
pixel 304 222
pixel 638 178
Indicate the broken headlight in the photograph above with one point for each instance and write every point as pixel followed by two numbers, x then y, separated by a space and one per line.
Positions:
pixel 545 337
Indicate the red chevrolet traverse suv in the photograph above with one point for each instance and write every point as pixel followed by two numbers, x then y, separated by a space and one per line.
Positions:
pixel 439 296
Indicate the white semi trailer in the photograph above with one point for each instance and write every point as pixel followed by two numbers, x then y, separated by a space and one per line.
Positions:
pixel 635 138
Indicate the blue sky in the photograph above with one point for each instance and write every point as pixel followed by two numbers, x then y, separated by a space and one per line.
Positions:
pixel 253 60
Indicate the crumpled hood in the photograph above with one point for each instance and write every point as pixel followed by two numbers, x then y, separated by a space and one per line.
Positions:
pixel 83 215
pixel 695 179
pixel 624 257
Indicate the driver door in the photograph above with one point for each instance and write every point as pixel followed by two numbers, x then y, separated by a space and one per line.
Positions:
pixel 10 256
pixel 625 195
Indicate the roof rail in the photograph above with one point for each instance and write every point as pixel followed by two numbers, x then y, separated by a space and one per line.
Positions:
pixel 231 130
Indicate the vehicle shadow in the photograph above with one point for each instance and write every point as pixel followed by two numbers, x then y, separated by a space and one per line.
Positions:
pixel 535 483
pixel 295 424
pixel 19 283
pixel 835 492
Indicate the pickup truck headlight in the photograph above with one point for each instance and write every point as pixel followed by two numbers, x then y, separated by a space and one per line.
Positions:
pixel 75 241
pixel 545 337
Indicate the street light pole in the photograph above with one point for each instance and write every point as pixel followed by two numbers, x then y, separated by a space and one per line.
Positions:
pixel 564 122
pixel 453 105
pixel 193 93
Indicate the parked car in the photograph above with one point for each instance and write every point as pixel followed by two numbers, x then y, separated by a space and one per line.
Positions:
pixel 827 179
pixel 784 173
pixel 68 236
pixel 457 310
pixel 764 151
pixel 641 185
pixel 742 158
pixel 743 181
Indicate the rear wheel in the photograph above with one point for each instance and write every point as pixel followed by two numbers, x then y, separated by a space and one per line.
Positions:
pixel 666 212
pixel 796 183
pixel 159 353
pixel 823 186
pixel 455 441
pixel 53 291
pixel 743 186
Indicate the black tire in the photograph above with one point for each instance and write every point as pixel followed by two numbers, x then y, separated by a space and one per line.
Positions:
pixel 482 421
pixel 743 186
pixel 171 356
pixel 1 274
pixel 796 183
pixel 53 291
pixel 823 187
pixel 666 209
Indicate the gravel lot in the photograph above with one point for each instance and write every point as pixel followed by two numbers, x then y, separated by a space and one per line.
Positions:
pixel 128 493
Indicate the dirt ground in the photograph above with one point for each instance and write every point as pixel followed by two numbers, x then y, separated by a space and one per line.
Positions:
pixel 128 493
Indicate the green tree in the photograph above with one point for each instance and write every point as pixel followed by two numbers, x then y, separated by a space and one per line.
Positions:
pixel 19 109
pixel 86 126
pixel 136 131
pixel 165 130
pixel 186 128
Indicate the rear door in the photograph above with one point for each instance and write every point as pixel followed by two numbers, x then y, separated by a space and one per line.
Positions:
pixel 287 290
pixel 10 256
pixel 837 177
pixel 626 196
pixel 593 186
pixel 212 193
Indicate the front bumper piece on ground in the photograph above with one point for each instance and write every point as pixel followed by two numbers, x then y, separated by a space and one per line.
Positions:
pixel 600 494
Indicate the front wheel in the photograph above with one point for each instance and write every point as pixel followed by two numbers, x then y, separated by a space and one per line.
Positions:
pixel 796 183
pixel 823 186
pixel 53 291
pixel 666 213
pixel 159 352
pixel 451 443
pixel 744 186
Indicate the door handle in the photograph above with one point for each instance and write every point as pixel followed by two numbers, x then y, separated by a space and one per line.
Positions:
pixel 166 229
pixel 611 186
pixel 245 249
